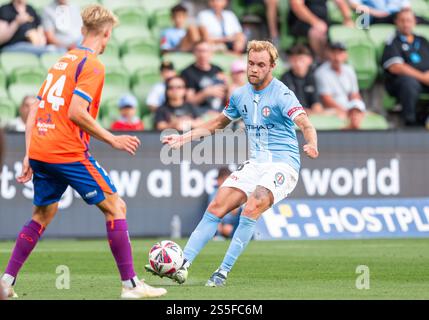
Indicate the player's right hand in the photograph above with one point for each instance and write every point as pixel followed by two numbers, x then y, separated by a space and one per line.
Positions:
pixel 175 141
pixel 26 172
pixel 126 143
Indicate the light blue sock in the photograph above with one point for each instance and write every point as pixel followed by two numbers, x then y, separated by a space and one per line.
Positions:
pixel 239 242
pixel 205 231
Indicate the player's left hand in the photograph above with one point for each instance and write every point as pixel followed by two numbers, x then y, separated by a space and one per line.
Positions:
pixel 311 151
pixel 27 172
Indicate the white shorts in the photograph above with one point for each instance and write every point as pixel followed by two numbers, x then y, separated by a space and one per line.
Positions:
pixel 279 178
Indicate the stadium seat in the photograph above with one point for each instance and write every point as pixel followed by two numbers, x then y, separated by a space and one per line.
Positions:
pixel 224 60
pixel 420 7
pixel 3 79
pixel 327 122
pixel 18 91
pixel 286 40
pixel 388 101
pixel 140 46
pixel 84 3
pixel 422 30
pixel 12 60
pixel 148 121
pixel 280 68
pixel 181 60
pixel 47 60
pixel 362 57
pixel 132 62
pixel 113 49
pixel 111 61
pixel 132 16
pixel 152 6
pixel 117 4
pixel 142 85
pixel 109 111
pixel 117 82
pixel 374 121
pixel 143 76
pixel 8 110
pixel 124 33
pixel 346 34
pixel 160 19
pixel 334 12
pixel 26 75
pixel 379 34
pixel 39 5
pixel 241 9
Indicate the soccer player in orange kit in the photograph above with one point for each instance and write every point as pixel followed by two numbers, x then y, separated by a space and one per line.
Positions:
pixel 57 153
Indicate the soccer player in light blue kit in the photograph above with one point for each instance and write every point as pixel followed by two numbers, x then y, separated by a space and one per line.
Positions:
pixel 269 110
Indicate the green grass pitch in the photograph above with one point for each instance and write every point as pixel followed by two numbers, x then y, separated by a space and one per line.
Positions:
pixel 399 269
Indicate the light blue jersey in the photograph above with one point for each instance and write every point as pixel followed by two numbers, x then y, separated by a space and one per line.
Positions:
pixel 268 115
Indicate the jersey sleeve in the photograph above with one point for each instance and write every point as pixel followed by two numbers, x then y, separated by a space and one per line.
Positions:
pixel 290 106
pixel 231 110
pixel 89 78
pixel 391 55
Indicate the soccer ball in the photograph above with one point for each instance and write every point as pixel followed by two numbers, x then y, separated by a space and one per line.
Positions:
pixel 166 257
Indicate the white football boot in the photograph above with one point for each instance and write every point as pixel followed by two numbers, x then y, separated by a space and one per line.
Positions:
pixel 7 290
pixel 142 290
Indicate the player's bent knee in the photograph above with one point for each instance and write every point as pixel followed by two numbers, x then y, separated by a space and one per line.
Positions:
pixel 216 208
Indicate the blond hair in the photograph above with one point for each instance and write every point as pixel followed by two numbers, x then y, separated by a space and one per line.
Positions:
pixel 96 17
pixel 258 46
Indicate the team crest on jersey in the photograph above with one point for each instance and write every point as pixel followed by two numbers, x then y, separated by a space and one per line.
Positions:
pixel 266 111
pixel 279 179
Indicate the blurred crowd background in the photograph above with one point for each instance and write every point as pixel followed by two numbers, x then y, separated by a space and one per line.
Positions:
pixel 353 64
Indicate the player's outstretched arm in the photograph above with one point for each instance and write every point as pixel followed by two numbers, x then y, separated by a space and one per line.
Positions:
pixel 78 114
pixel 175 141
pixel 310 135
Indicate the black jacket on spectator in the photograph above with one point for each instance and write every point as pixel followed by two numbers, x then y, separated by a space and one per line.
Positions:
pixel 198 79
pixel 8 13
pixel 405 88
pixel 304 88
pixel 165 112
pixel 301 28
pixel 399 50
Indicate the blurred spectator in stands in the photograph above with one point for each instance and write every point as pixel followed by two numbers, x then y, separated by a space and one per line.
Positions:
pixel 229 222
pixel 18 124
pixel 271 13
pixel 238 75
pixel 128 121
pixel 176 113
pixel 338 86
pixel 156 96
pixel 182 36
pixel 383 11
pixel 309 18
pixel 206 83
pixel 21 30
pixel 406 64
pixel 300 79
pixel 62 23
pixel 224 29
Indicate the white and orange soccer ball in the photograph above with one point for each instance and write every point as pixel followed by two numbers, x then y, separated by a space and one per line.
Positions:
pixel 166 257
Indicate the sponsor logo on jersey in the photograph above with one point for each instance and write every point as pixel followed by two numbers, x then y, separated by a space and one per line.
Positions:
pixel 43 125
pixel 91 194
pixel 260 126
pixel 60 66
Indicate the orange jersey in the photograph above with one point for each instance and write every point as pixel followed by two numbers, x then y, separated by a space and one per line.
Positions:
pixel 55 138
